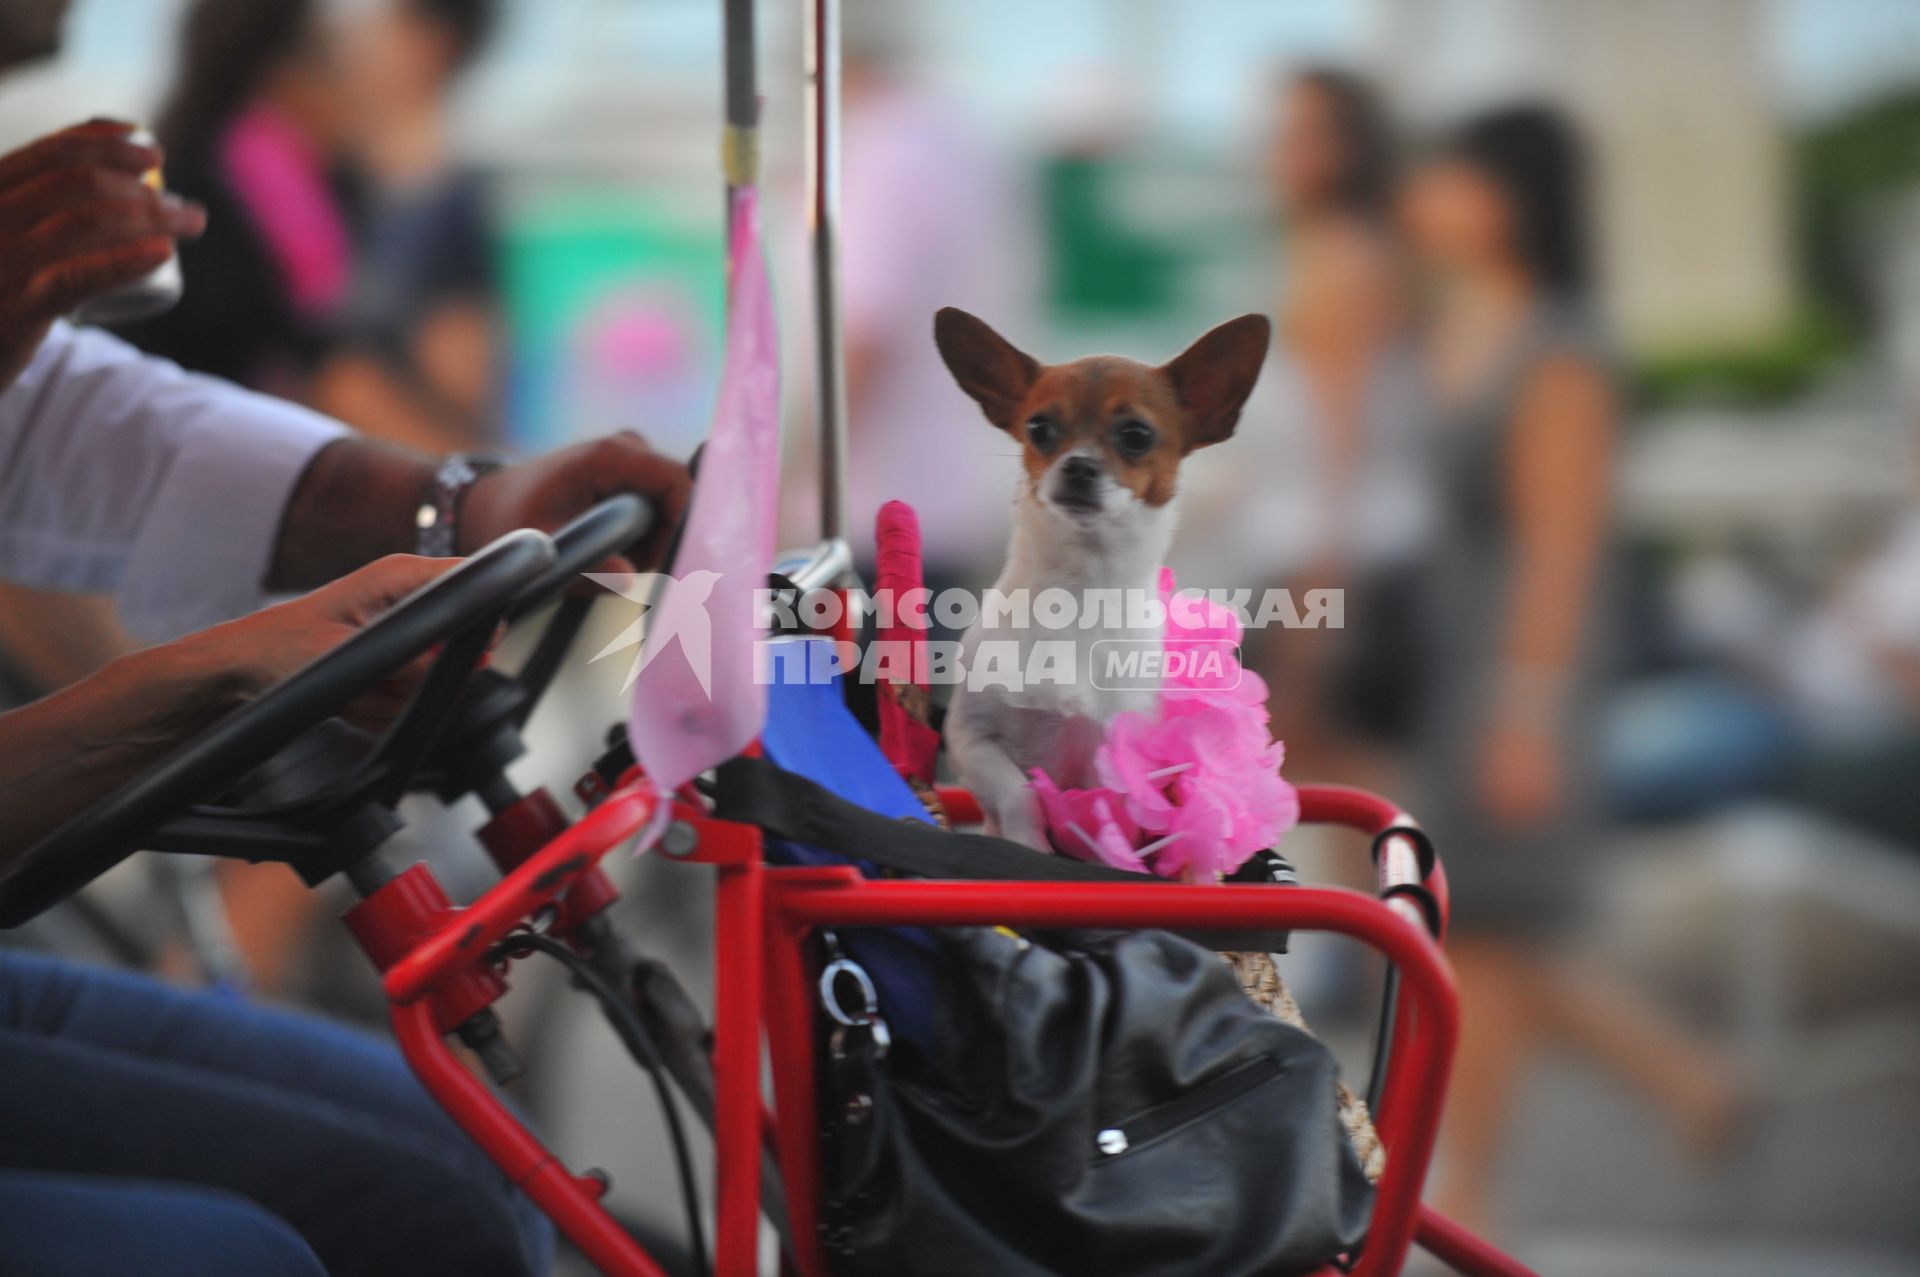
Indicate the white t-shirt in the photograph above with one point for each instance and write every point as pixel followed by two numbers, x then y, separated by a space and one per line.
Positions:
pixel 121 472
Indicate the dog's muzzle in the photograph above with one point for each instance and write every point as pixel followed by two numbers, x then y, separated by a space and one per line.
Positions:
pixel 1076 485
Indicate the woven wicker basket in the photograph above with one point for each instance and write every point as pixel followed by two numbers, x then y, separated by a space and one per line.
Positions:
pixel 1259 977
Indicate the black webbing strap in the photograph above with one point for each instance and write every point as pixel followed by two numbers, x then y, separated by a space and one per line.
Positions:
pixel 756 791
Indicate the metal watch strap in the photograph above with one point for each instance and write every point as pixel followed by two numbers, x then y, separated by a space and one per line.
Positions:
pixel 438 518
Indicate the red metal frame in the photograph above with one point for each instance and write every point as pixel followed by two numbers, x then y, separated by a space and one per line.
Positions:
pixel 764 917
pixel 1455 1246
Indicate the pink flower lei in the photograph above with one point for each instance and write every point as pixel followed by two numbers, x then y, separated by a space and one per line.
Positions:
pixel 1192 791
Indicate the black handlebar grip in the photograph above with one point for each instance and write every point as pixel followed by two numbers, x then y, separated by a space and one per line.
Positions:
pixel 606 530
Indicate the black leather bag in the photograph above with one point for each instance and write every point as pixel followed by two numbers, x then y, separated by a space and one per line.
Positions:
pixel 1096 1103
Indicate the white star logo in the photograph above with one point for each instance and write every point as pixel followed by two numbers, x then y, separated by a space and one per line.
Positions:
pixel 672 608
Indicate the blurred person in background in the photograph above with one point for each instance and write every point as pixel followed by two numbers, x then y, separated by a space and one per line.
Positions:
pixel 256 128
pixel 1344 372
pixel 931 216
pixel 423 320
pixel 1852 672
pixel 347 265
pixel 1525 419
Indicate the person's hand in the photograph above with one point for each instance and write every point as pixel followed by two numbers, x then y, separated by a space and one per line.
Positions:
pixel 1520 775
pixel 547 492
pixel 77 221
pixel 69 750
pixel 255 652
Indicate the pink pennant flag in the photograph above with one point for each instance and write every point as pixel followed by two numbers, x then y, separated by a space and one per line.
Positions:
pixel 696 702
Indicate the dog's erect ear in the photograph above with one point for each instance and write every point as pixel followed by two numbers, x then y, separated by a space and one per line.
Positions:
pixel 987 365
pixel 1214 376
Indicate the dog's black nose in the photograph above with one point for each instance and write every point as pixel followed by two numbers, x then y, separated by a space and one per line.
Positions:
pixel 1080 472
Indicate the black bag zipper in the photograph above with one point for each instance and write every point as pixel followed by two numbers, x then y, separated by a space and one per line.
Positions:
pixel 1197 1103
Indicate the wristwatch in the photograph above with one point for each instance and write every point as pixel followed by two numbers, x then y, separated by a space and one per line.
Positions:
pixel 438 518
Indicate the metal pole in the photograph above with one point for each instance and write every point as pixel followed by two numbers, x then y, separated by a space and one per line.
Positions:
pixel 740 145
pixel 823 224
pixel 742 93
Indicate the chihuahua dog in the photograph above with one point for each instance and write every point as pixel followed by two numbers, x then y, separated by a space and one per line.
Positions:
pixel 1101 440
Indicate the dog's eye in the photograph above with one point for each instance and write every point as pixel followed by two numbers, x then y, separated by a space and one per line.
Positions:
pixel 1043 434
pixel 1134 439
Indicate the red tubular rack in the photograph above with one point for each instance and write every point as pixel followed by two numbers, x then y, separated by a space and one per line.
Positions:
pixel 764 916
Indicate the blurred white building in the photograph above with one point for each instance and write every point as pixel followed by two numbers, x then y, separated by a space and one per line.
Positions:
pixel 1685 130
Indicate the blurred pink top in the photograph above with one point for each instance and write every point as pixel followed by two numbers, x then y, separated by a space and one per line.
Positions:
pixel 280 178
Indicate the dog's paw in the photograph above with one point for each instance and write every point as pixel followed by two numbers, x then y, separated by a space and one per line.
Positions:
pixel 1021 822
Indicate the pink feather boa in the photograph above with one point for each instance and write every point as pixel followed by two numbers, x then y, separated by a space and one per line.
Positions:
pixel 1192 791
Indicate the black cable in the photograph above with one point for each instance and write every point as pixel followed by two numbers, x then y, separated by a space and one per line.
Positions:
pixel 1377 1082
pixel 1383 1038
pixel 633 1035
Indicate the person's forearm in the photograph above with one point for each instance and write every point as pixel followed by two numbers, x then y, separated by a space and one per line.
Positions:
pixel 1547 613
pixel 1550 600
pixel 64 752
pixel 355 502
pixel 1559 483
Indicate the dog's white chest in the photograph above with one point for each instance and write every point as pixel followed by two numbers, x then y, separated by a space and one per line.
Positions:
pixel 1055 713
pixel 1056 726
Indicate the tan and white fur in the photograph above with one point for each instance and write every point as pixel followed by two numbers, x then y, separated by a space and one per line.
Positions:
pixel 1101 443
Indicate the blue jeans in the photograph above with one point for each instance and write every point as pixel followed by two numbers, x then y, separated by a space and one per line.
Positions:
pixel 146 1129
